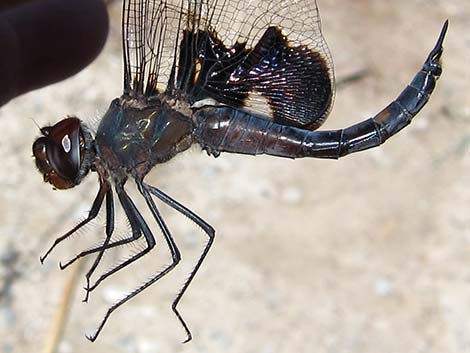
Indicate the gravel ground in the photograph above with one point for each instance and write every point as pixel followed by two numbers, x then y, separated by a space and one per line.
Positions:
pixel 367 254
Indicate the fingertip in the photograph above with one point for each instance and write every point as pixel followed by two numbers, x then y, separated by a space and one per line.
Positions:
pixel 47 41
pixel 90 24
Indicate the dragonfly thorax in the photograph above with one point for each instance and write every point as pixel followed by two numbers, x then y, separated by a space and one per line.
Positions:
pixel 134 137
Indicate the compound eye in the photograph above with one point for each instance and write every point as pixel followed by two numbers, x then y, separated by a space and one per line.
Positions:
pixel 63 148
pixel 58 153
pixel 40 153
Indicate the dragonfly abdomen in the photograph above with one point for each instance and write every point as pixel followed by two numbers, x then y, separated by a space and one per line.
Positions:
pixel 227 129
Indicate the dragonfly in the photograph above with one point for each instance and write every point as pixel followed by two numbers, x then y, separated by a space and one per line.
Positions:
pixel 244 76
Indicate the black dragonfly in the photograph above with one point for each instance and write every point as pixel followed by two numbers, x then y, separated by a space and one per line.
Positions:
pixel 244 76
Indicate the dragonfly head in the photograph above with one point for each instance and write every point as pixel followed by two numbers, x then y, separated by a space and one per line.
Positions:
pixel 64 153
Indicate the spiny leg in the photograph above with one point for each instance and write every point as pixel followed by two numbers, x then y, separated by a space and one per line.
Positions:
pixel 138 225
pixel 147 233
pixel 109 232
pixel 106 245
pixel 95 208
pixel 175 253
pixel 99 248
pixel 205 227
pixel 145 189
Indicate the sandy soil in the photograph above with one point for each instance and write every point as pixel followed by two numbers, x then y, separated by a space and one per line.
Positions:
pixel 367 254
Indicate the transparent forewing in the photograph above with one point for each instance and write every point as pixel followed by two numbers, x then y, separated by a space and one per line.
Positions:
pixel 268 57
pixel 149 32
pixel 152 32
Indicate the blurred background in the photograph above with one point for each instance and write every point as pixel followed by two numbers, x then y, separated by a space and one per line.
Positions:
pixel 367 254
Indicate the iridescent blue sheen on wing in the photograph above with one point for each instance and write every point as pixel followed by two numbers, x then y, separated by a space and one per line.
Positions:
pixel 294 81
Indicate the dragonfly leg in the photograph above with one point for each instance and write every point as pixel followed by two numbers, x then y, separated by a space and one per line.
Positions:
pixel 99 248
pixel 95 208
pixel 175 254
pixel 138 226
pixel 109 232
pixel 107 244
pixel 206 228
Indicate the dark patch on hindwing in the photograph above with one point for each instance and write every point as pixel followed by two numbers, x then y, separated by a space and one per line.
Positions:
pixel 295 80
pixel 201 54
pixel 290 84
